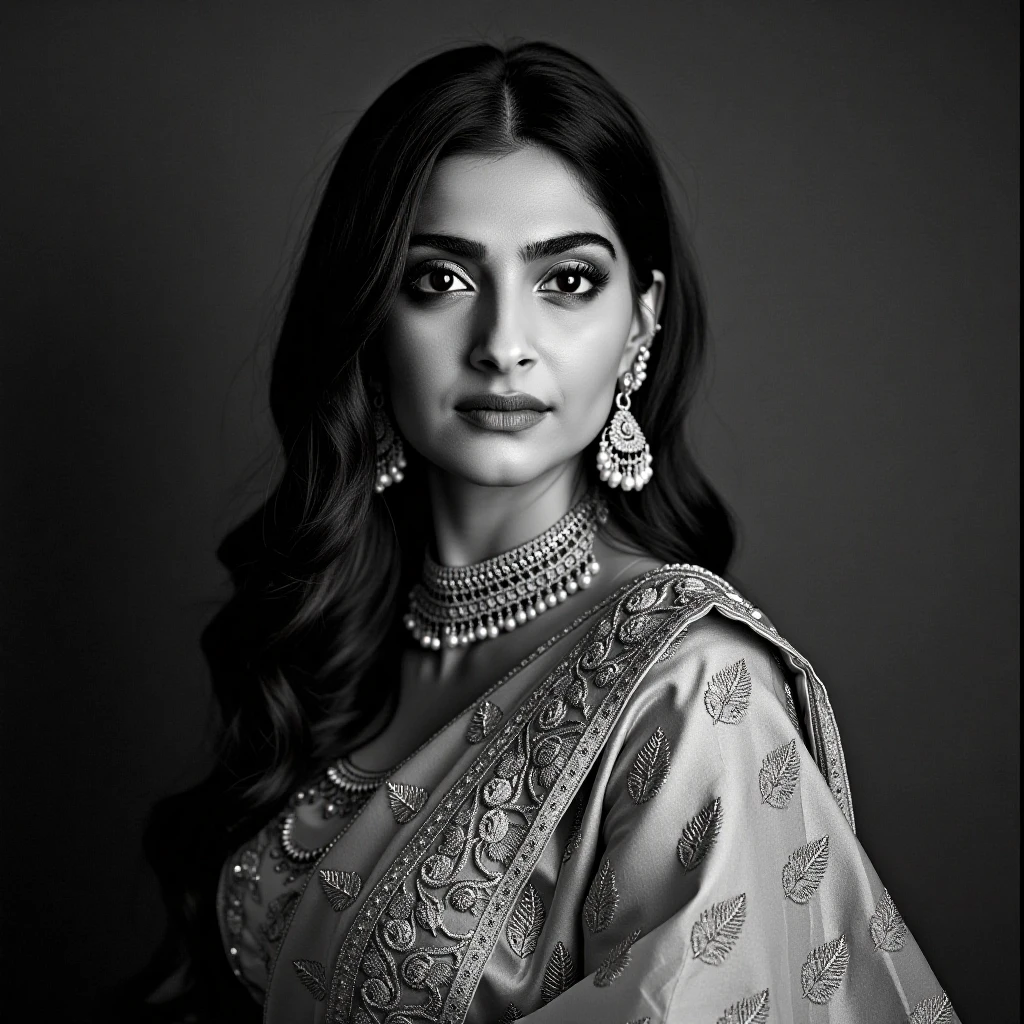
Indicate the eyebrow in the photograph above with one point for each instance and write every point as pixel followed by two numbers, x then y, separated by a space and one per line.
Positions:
pixel 469 249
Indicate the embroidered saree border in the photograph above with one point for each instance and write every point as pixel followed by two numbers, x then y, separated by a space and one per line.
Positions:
pixel 640 625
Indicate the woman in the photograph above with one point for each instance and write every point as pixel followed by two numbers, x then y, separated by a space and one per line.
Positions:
pixel 500 742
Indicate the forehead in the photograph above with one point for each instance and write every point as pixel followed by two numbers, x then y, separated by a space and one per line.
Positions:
pixel 521 196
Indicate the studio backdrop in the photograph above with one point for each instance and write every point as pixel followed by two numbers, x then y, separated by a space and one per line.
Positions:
pixel 850 175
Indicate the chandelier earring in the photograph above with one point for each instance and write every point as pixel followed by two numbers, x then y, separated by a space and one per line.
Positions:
pixel 624 457
pixel 390 456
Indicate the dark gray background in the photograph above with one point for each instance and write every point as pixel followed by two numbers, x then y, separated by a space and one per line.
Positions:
pixel 852 178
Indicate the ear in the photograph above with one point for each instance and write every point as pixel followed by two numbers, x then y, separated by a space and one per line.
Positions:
pixel 645 318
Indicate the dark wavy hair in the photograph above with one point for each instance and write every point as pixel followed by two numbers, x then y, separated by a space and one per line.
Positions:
pixel 306 650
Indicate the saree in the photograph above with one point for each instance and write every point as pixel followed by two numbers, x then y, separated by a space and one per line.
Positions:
pixel 649 820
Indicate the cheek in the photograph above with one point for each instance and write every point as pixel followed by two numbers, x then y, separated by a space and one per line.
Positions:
pixel 420 372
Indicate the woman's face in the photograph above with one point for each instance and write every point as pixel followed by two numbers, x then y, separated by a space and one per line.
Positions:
pixel 514 322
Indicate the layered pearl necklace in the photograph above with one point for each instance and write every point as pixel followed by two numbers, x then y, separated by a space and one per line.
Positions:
pixel 457 606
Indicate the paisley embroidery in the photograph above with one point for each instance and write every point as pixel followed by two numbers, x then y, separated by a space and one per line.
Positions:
pixel 803 872
pixel 751 1010
pixel 779 774
pixel 728 694
pixel 888 932
pixel 510 1014
pixel 650 768
pixel 311 974
pixel 340 887
pixel 638 628
pixel 525 922
pixel 717 930
pixel 617 961
pixel 642 600
pixel 406 801
pixel 699 835
pixel 602 900
pixel 823 970
pixel 559 974
pixel 935 1010
pixel 485 720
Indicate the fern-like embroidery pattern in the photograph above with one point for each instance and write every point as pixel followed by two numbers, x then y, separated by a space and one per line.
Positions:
pixel 717 929
pixel 780 771
pixel 650 768
pixel 751 1010
pixel 699 835
pixel 525 922
pixel 727 696
pixel 312 974
pixel 484 721
pixel 616 961
pixel 559 974
pixel 803 872
pixel 511 1013
pixel 406 801
pixel 888 931
pixel 340 887
pixel 824 969
pixel 602 899
pixel 934 1010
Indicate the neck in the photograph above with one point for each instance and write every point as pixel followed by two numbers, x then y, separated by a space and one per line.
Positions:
pixel 473 522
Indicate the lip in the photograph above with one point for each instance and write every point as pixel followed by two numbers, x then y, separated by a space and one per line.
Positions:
pixel 509 421
pixel 511 401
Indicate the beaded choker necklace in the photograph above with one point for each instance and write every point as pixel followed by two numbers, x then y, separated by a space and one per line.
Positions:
pixel 457 606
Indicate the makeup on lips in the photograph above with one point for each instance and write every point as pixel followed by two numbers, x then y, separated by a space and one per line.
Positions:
pixel 506 413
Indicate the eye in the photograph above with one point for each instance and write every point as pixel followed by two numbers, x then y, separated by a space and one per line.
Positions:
pixel 575 279
pixel 436 278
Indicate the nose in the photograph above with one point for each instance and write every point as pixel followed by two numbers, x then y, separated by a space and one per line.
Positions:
pixel 502 343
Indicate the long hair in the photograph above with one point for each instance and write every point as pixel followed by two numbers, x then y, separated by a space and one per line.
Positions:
pixel 305 651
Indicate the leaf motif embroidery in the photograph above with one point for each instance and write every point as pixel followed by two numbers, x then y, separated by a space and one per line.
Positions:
pixel 888 932
pixel 406 801
pixel 935 1010
pixel 779 773
pixel 638 628
pixel 699 834
pixel 717 929
pixel 311 973
pixel 803 872
pixel 559 974
pixel 823 970
pixel 510 1014
pixel 484 721
pixel 728 694
pixel 616 962
pixel 791 707
pixel 650 768
pixel 751 1010
pixel 672 648
pixel 602 900
pixel 340 887
pixel 572 844
pixel 525 922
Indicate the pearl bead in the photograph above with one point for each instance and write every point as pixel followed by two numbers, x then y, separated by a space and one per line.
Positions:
pixel 604 474
pixel 410 622
pixel 561 595
pixel 398 476
pixel 510 624
pixel 531 612
pixel 520 616
pixel 451 640
pixel 615 479
pixel 594 568
pixel 603 458
pixel 401 462
pixel 465 640
pixel 572 586
pixel 384 480
pixel 551 600
pixel 481 632
pixel 585 580
pixel 492 631
pixel 541 606
pixel 424 640
pixel 435 643
pixel 628 483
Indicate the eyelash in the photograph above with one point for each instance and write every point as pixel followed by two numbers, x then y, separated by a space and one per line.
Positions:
pixel 597 277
